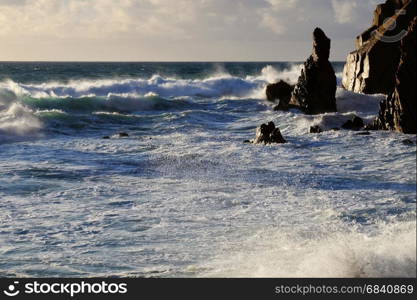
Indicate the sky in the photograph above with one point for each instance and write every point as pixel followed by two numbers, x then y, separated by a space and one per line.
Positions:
pixel 177 30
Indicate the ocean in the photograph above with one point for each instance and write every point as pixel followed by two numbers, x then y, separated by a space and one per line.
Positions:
pixel 178 193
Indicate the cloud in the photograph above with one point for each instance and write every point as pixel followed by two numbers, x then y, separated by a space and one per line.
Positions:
pixel 93 19
pixel 351 11
pixel 273 17
pixel 129 26
pixel 344 11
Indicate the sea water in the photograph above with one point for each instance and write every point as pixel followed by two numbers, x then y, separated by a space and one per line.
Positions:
pixel 182 195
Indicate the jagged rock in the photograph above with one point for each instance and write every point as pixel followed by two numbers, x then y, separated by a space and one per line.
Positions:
pixel 123 134
pixel 268 134
pixel 315 91
pixel 371 68
pixel 279 91
pixel 355 124
pixel 399 111
pixel 316 129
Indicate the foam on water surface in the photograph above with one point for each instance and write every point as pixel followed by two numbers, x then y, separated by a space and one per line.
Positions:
pixel 182 195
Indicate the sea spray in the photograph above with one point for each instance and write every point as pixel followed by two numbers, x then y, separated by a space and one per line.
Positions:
pixel 182 195
pixel 16 120
pixel 389 251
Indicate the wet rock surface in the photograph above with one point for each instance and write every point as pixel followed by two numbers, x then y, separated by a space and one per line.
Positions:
pixel 315 92
pixel 268 134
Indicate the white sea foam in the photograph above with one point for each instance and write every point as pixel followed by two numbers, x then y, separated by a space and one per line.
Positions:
pixel 17 121
pixel 183 196
pixel 270 74
pixel 220 84
pixel 349 104
pixel 390 251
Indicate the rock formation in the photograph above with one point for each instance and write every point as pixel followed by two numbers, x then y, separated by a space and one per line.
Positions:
pixel 268 134
pixel 280 91
pixel 316 129
pixel 371 68
pixel 355 123
pixel 399 111
pixel 315 91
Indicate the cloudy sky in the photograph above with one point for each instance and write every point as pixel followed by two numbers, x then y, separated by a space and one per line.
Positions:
pixel 177 30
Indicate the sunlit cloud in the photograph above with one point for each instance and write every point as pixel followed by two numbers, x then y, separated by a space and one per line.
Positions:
pixel 147 27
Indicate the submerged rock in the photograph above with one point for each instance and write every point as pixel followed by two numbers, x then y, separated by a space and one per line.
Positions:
pixel 355 124
pixel 363 133
pixel 315 91
pixel 123 134
pixel 371 68
pixel 316 129
pixel 409 142
pixel 280 91
pixel 399 111
pixel 268 134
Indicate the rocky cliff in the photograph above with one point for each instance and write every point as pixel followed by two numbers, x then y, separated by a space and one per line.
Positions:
pixel 399 111
pixel 371 68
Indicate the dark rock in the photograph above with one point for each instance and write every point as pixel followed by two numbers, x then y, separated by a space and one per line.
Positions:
pixel 315 129
pixel 268 134
pixel 315 91
pixel 279 91
pixel 276 108
pixel 371 68
pixel 106 137
pixel 123 134
pixel 289 106
pixel 364 133
pixel 409 142
pixel 247 141
pixel 399 111
pixel 355 124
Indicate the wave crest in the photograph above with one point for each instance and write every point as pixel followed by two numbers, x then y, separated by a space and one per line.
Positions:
pixel 17 121
pixel 219 85
pixel 347 253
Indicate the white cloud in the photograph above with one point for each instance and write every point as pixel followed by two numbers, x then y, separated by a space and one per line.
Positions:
pixel 140 25
pixel 351 11
pixel 344 11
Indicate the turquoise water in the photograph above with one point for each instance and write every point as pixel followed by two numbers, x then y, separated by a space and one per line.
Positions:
pixel 182 195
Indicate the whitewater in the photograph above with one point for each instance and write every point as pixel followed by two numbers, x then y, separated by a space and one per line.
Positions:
pixel 182 195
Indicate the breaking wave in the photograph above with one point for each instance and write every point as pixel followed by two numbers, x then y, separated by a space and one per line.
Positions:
pixel 25 108
pixel 17 121
pixel 388 252
pixel 215 86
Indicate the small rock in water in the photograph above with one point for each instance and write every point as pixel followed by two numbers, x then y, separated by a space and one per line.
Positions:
pixel 123 134
pixel 355 124
pixel 106 137
pixel 316 129
pixel 409 142
pixel 279 91
pixel 268 134
pixel 364 133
